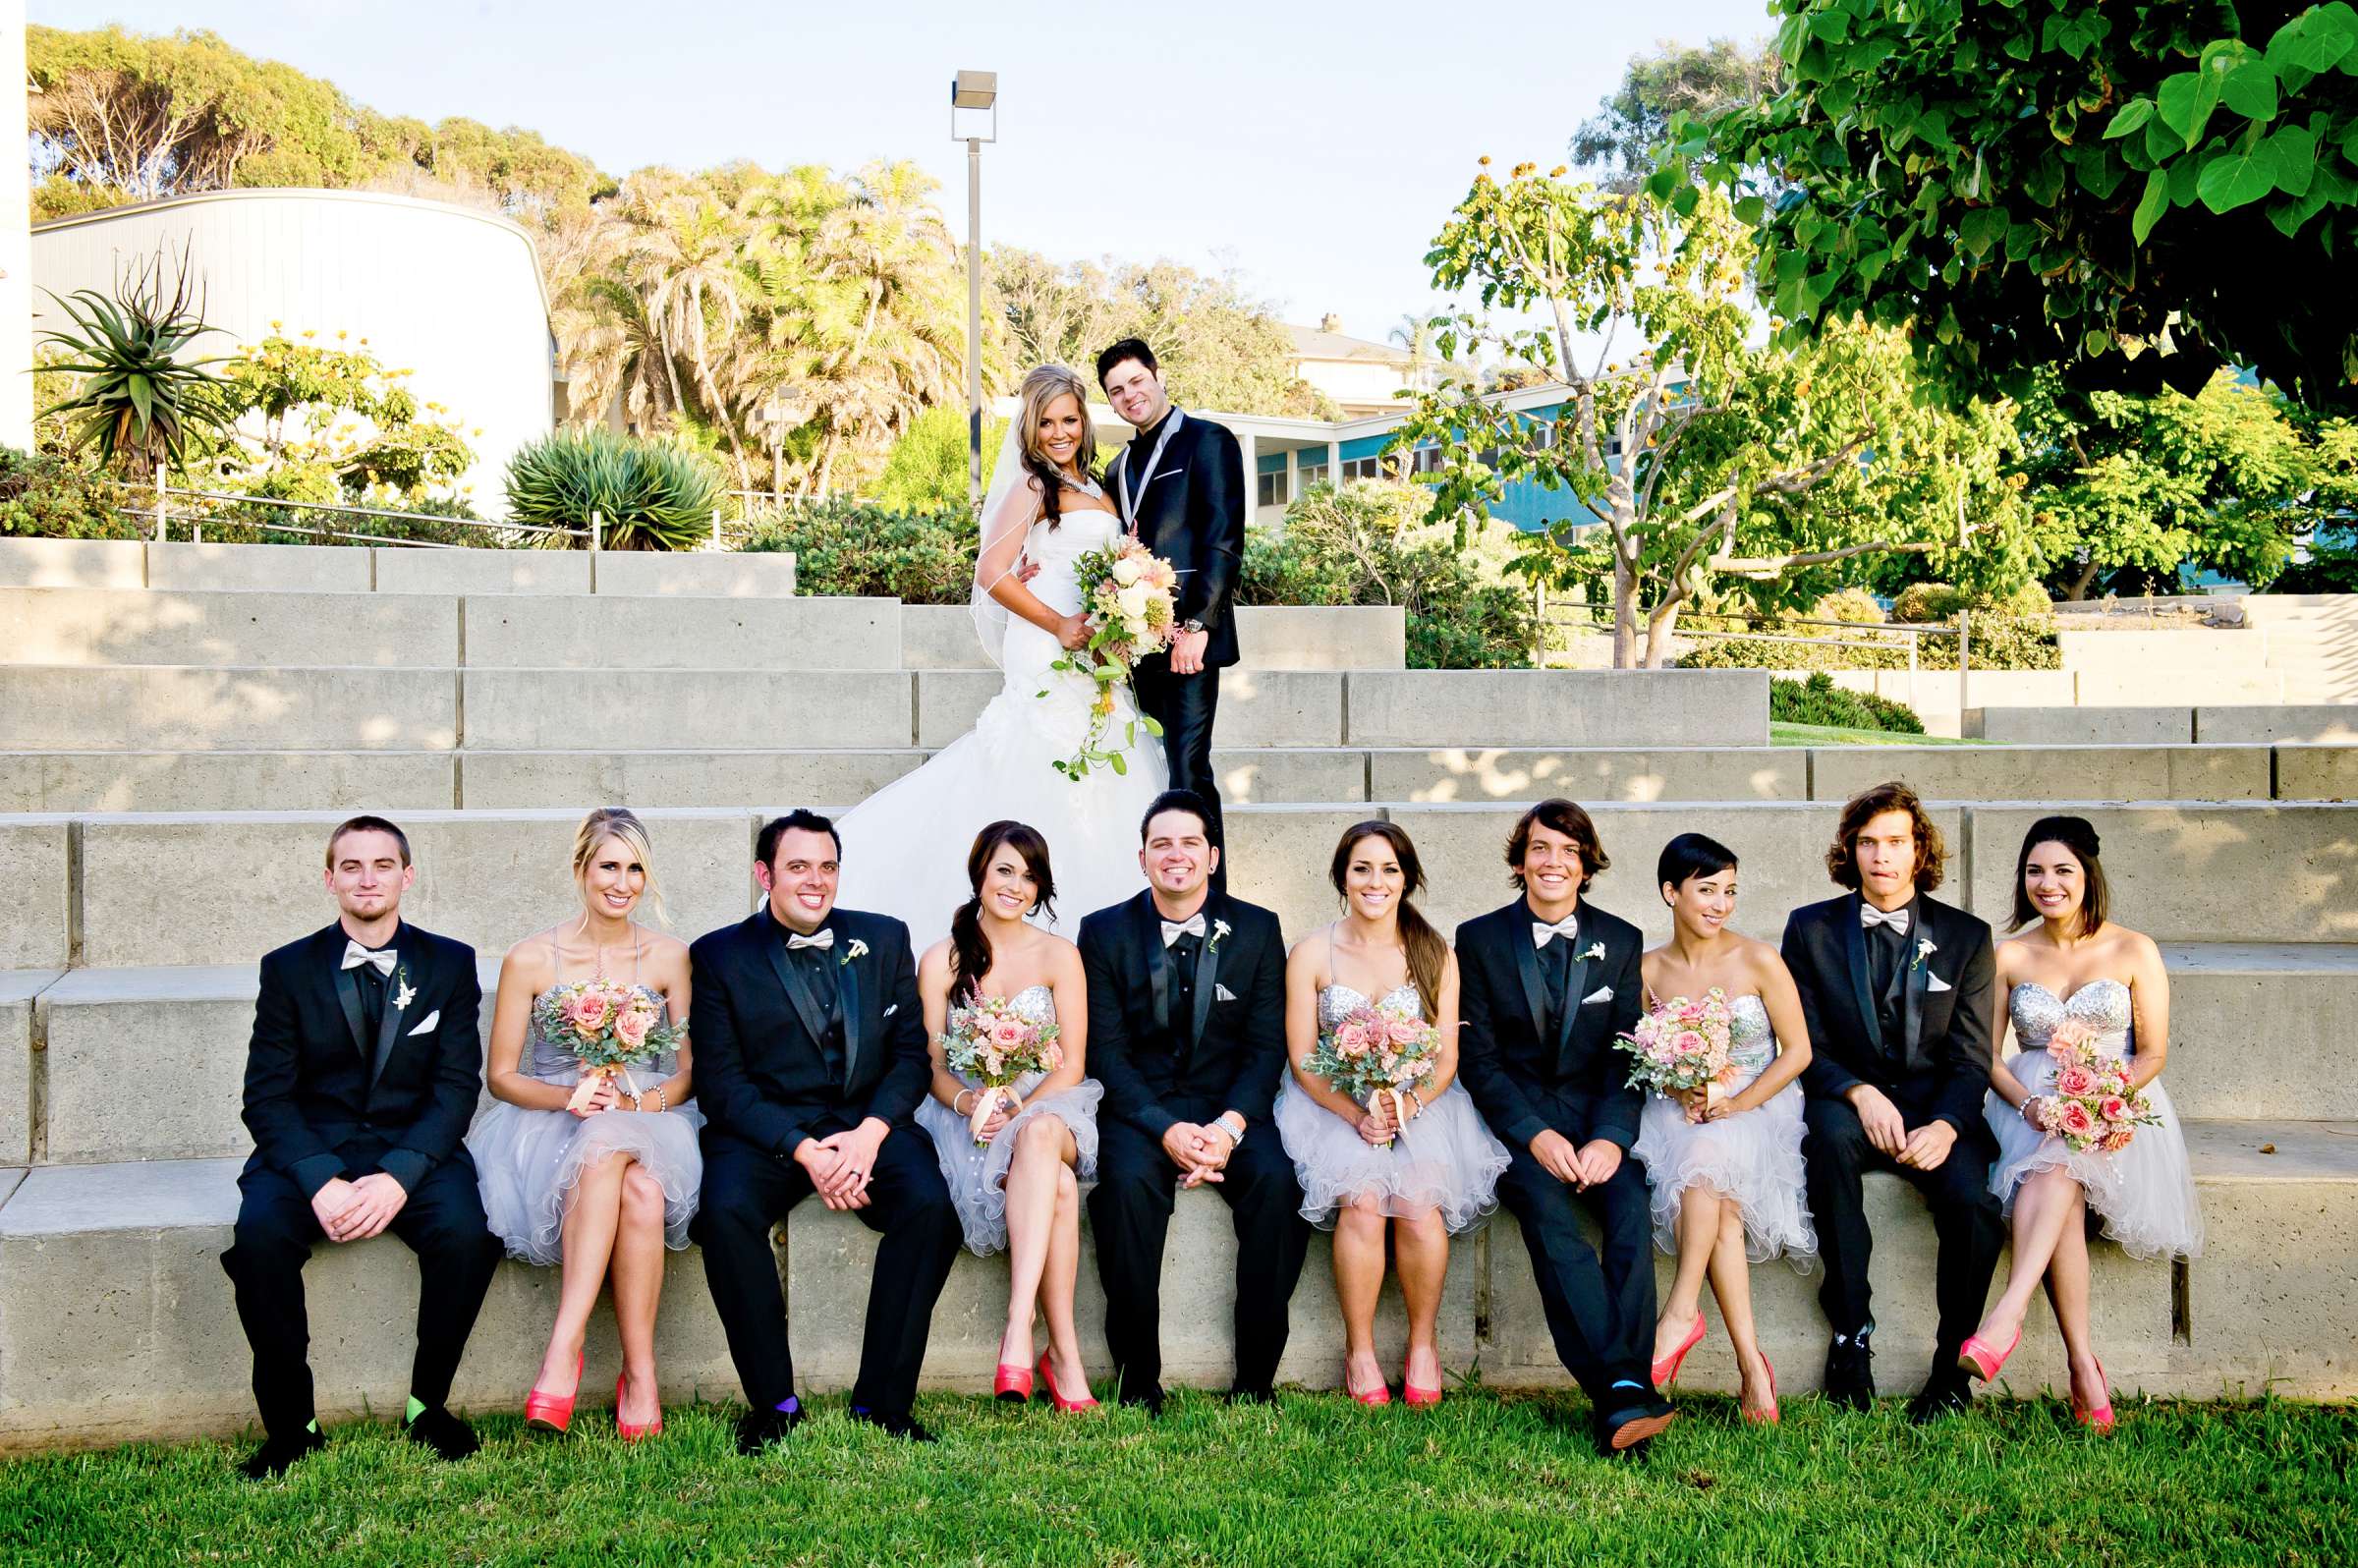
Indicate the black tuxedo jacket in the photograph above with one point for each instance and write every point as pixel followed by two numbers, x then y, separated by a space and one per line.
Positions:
pixel 1941 1067
pixel 1230 1049
pixel 762 1072
pixel 1510 1060
pixel 317 1082
pixel 1191 512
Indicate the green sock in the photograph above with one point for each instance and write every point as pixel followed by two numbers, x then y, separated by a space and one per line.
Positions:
pixel 417 1408
pixel 311 1426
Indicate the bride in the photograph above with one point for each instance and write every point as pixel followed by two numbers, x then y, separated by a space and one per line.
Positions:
pixel 899 846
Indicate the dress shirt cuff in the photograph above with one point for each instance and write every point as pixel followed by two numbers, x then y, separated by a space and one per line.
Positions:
pixel 405 1165
pixel 1621 1138
pixel 315 1172
pixel 1153 1120
pixel 1521 1132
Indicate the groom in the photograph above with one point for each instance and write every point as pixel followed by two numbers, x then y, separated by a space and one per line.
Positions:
pixel 1180 485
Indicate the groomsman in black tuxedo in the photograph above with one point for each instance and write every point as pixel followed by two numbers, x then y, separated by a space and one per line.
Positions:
pixel 359 1083
pixel 1899 991
pixel 1545 984
pixel 1187 1032
pixel 1180 485
pixel 810 1061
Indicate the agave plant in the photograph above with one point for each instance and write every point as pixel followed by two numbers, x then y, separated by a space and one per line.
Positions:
pixel 649 495
pixel 137 402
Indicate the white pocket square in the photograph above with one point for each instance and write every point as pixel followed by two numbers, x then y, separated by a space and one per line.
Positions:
pixel 432 1019
pixel 1934 982
pixel 1602 993
pixel 894 1008
pixel 1222 993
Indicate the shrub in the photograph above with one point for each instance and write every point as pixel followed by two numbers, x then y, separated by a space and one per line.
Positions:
pixel 650 495
pixel 1819 700
pixel 856 549
pixel 1852 605
pixel 47 497
pixel 925 469
pixel 1924 603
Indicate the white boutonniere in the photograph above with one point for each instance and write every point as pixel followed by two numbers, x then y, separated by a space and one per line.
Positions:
pixel 1596 950
pixel 858 949
pixel 1220 929
pixel 1923 950
pixel 402 994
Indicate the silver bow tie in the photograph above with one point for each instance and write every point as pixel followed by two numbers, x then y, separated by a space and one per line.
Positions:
pixel 1869 917
pixel 384 958
pixel 1173 931
pixel 822 940
pixel 1542 933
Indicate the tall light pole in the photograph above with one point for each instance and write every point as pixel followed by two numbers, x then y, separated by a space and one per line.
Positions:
pixel 974 89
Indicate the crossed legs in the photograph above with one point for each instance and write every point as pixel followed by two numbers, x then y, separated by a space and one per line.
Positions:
pixel 1710 1243
pixel 613 1225
pixel 2050 1245
pixel 1044 1248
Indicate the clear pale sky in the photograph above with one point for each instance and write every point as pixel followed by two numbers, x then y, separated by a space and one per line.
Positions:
pixel 1315 154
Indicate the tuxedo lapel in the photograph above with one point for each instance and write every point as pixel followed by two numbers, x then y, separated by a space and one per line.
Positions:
pixel 1535 985
pixel 1147 932
pixel 847 986
pixel 408 961
pixel 348 995
pixel 804 1001
pixel 1853 936
pixel 1576 986
pixel 1915 974
pixel 1207 968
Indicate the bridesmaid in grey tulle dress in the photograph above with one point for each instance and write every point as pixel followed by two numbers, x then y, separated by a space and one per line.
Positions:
pixel 604 1189
pixel 1020 1190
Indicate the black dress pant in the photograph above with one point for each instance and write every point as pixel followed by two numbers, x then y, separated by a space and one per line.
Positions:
pixel 442 1223
pixel 1130 1215
pixel 1967 1218
pixel 1599 1309
pixel 1184 705
pixel 745 1192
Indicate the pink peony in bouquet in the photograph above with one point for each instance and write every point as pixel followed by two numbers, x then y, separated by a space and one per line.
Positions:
pixel 992 1046
pixel 611 1028
pixel 1680 1050
pixel 1133 609
pixel 1373 1052
pixel 2091 1104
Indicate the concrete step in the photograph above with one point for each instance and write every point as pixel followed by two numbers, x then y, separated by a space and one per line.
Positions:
pixel 114 1274
pixel 2153 652
pixel 146 1063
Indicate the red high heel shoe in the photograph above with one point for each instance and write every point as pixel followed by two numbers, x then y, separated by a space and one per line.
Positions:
pixel 1977 1356
pixel 1012 1383
pixel 1417 1398
pixel 1666 1369
pixel 2097 1419
pixel 1381 1394
pixel 632 1432
pixel 1048 1378
pixel 550 1413
pixel 1768 1417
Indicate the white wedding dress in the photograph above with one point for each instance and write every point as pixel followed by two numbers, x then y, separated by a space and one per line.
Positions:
pixel 905 847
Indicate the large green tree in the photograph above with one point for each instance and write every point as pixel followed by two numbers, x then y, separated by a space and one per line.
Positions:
pixel 1621 139
pixel 2137 193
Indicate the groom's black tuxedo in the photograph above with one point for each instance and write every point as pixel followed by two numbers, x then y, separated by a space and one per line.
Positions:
pixel 351 1073
pixel 1182 1033
pixel 1538 1055
pixel 1915 1023
pixel 795 1044
pixel 1189 507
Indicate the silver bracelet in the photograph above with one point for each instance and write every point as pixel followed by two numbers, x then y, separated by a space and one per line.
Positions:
pixel 662 1100
pixel 955 1098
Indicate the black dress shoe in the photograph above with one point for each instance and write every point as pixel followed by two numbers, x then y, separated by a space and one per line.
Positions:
pixel 898 1425
pixel 277 1453
pixel 437 1428
pixel 756 1429
pixel 1945 1393
pixel 1850 1373
pixel 1626 1430
pixel 1149 1400
pixel 1252 1396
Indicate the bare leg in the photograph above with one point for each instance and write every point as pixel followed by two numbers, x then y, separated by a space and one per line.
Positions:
pixel 2067 1293
pixel 638 1287
pixel 1698 1234
pixel 1031 1219
pixel 590 1220
pixel 2043 1204
pixel 1358 1282
pixel 1056 1285
pixel 1421 1250
pixel 1732 1285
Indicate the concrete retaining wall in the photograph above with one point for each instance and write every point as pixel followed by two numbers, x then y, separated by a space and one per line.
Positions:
pixel 1557 708
pixel 942 636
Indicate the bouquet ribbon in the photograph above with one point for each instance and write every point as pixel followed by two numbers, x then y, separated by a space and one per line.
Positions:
pixel 985 1099
pixel 587 1088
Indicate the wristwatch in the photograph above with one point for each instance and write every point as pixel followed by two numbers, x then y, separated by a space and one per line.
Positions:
pixel 1190 625
pixel 1232 1124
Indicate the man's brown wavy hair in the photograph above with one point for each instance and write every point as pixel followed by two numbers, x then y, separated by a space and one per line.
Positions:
pixel 1566 819
pixel 1932 854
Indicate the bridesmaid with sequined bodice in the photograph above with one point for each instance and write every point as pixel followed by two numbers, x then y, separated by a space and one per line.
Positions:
pixel 1363 1169
pixel 2078 983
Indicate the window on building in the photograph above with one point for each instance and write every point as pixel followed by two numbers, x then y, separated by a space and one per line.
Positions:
pixel 1428 461
pixel 1361 468
pixel 1309 474
pixel 1273 489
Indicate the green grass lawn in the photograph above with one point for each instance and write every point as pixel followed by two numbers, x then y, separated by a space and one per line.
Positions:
pixel 1483 1480
pixel 1782 733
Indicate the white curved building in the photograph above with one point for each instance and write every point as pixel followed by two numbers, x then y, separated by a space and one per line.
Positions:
pixel 451 294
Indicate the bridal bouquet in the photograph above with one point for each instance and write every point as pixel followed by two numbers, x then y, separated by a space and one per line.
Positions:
pixel 611 1029
pixel 1681 1046
pixel 993 1044
pixel 1373 1051
pixel 1131 599
pixel 2091 1105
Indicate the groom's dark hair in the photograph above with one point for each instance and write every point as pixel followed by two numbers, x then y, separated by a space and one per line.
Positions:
pixel 765 848
pixel 1176 800
pixel 1126 349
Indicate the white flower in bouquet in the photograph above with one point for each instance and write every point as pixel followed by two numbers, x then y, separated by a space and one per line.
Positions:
pixel 1128 569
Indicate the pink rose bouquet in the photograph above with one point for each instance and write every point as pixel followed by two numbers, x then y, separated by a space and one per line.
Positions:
pixel 1132 600
pixel 991 1046
pixel 611 1028
pixel 2091 1104
pixel 1373 1052
pixel 1680 1049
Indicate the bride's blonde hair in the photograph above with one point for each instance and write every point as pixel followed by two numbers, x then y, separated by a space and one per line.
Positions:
pixel 1043 386
pixel 616 822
